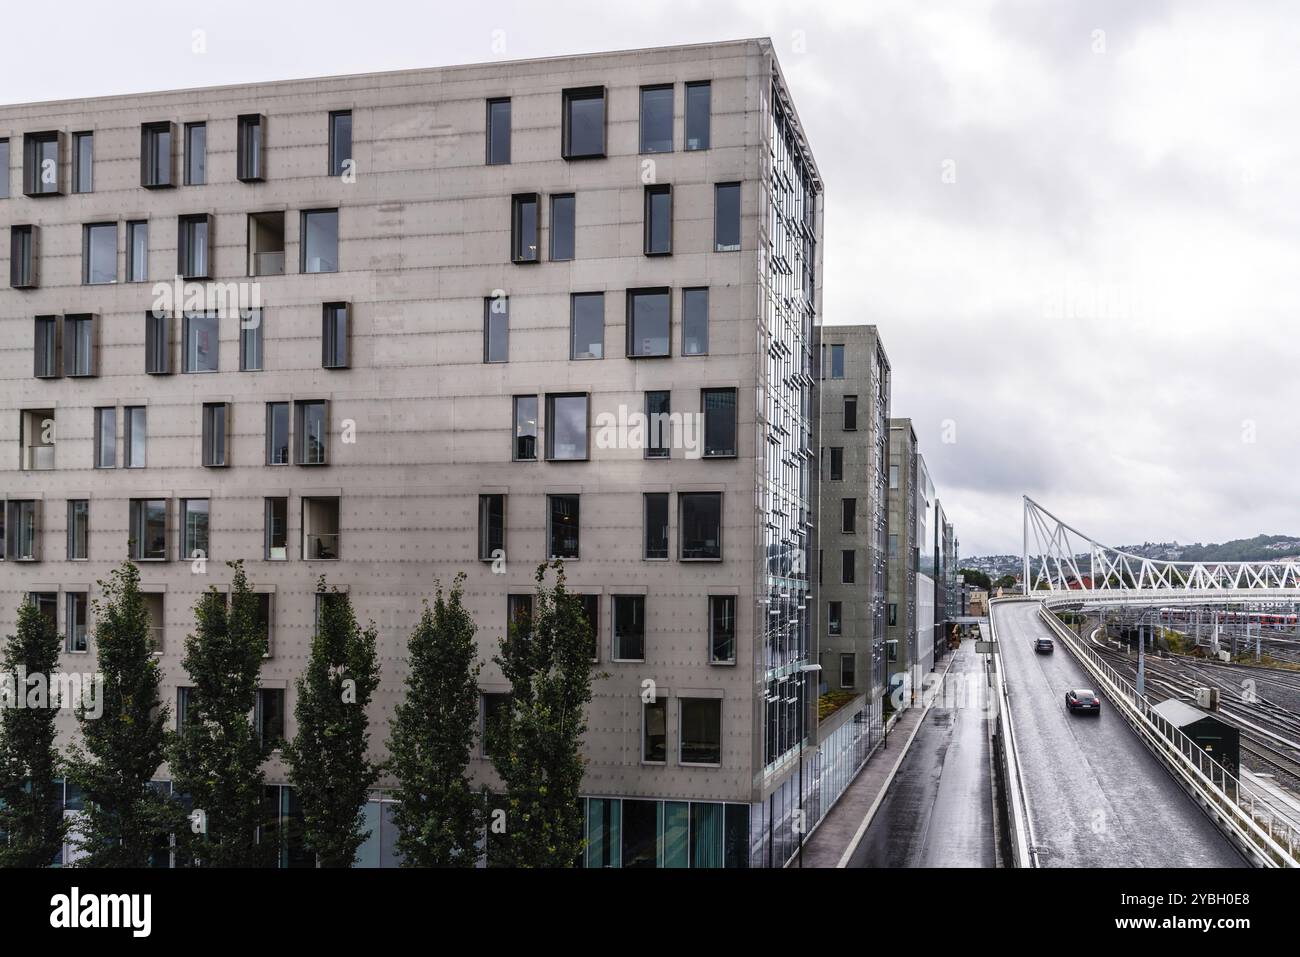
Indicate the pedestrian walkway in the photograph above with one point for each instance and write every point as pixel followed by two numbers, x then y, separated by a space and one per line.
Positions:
pixel 831 844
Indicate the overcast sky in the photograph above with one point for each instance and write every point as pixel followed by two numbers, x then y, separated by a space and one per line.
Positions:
pixel 1075 225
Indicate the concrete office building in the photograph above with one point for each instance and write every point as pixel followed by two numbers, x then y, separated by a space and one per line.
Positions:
pixel 465 278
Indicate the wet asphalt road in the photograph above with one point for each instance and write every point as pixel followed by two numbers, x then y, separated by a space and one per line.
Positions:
pixel 938 811
pixel 1097 797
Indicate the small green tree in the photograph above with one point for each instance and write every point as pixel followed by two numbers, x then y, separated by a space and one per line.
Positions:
pixel 327 759
pixel 125 821
pixel 217 758
pixel 536 742
pixel 31 801
pixel 439 816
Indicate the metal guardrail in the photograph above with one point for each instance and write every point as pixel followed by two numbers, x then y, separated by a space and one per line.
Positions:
pixel 1023 846
pixel 1246 813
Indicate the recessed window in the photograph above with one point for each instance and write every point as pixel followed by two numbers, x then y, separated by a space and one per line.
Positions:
pixel 276 528
pixel 658 424
pixel 106 437
pixel 202 346
pixel 658 237
pixel 76 605
pixel 629 627
pixel 268 717
pixel 135 437
pixel 99 253
pixel 196 154
pixel 891 616
pixel 848 515
pixel 657 119
pixel 194 528
pixel 36 438
pixel 250 340
pixel 4 169
pixel 265 618
pixel 719 407
pixel 848 567
pixel 649 327
pixel 698 114
pixel 155 613
pixel 524 247
pixel 83 162
pixel 563 227
pixel 22 542
pixel 78 529
pixel 43 155
pixel 266 244
pixel 587 325
pixel 837 464
pixel 654 732
pixel 519 615
pixel 47 603
pixel 850 413
pixel 701 730
pixel 498 131
pixel 320 528
pixel 590 605
pixel 340 142
pixel 722 629
pixel 584 123
pixel 525 428
pixel 836 362
pixel 24 255
pixel 251 152
pixel 834 618
pixel 496 329
pixel 700 526
pixel 194 259
pixel 893 476
pixel 566 427
pixel 137 251
pixel 656 526
pixel 148 529
pixel 157 343
pixel 277 433
pixel 216 433
pixel 45 349
pixel 695 322
pixel 335 326
pixel 495 707
pixel 320 241
pixel 893 546
pixel 491 527
pixel 562 526
pixel 726 217
pixel 848 671
pixel 311 428
pixel 156 152
pixel 80 342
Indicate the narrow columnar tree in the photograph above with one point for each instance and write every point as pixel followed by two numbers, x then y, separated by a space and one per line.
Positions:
pixel 125 820
pixel 536 741
pixel 31 805
pixel 439 816
pixel 217 758
pixel 327 759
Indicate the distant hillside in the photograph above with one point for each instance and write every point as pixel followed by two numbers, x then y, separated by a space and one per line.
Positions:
pixel 1257 549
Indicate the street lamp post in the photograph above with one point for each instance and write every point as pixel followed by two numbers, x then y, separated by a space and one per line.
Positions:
pixel 804 670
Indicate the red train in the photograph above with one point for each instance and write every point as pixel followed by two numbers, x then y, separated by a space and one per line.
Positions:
pixel 1266 618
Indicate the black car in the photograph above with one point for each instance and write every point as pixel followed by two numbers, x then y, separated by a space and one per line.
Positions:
pixel 1081 699
pixel 1044 646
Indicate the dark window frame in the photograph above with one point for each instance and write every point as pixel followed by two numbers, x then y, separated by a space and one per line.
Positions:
pixel 634 296
pixel 652 192
pixel 490 143
pixel 577 94
pixel 338 165
pixel 519 240
pixel 671 90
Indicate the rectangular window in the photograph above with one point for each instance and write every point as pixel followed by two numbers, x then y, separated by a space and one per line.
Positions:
pixel 79 346
pixel 849 567
pixel 657 119
pixel 848 515
pixel 99 254
pixel 76 605
pixel 47 604
pixel 722 629
pixel 269 717
pixel 591 612
pixel 519 614
pixel 311 427
pixel 654 731
pixel 698 110
pixel 834 619
pixel 194 528
pixel 848 671
pixel 726 217
pixel 276 522
pixel 135 438
pixel 265 619
pixel 277 433
pixel 498 131
pixel 320 241
pixel 216 433
pixel 656 526
pixel 893 546
pixel 320 529
pixel 22 542
pixel 629 627
pixel 251 155
pixel 148 529
pixel 83 162
pixel 719 407
pixel 157 343
pixel 566 427
pixel 837 362
pixel 495 706
pixel 524 228
pixel 496 329
pixel 700 526
pixel 695 322
pixel 106 438
pixel 184 695
pixel 196 154
pixel 837 465
pixel 36 439
pixel 701 730
pixel 202 346
pixel 43 155
pixel 850 413
pixel 4 169
pixel 340 142
pixel 562 523
pixel 649 322
pixel 78 529
pixel 266 244
pixel 250 340
pixel 658 237
pixel 156 152
pixel 24 256
pixel 525 427
pixel 563 227
pixel 194 248
pixel 154 606
pixel 335 328
pixel 46 350
pixel 893 476
pixel 491 527
pixel 892 614
pixel 584 123
pixel 137 251
pixel 587 325
pixel 659 429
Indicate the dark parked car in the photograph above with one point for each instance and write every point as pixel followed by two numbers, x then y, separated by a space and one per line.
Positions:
pixel 1043 646
pixel 1080 699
